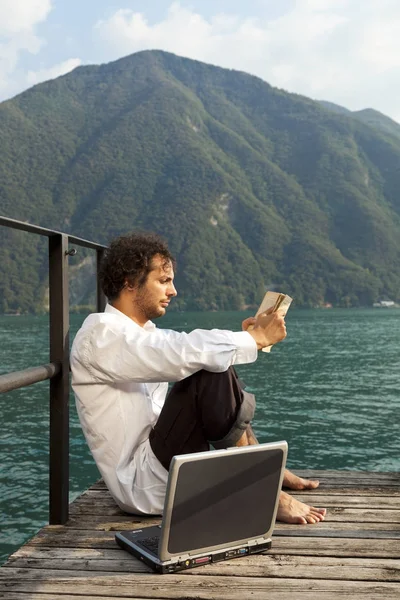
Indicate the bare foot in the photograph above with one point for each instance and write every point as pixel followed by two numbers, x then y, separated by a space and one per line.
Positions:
pixel 293 482
pixel 243 440
pixel 291 510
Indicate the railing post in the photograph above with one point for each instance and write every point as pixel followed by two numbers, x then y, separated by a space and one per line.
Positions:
pixel 101 300
pixel 59 385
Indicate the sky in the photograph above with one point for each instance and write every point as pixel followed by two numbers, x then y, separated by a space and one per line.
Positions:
pixel 343 51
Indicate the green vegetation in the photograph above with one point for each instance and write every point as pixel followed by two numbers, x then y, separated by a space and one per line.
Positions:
pixel 252 187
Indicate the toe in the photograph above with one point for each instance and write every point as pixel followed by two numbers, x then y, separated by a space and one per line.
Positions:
pixel 317 513
pixel 300 520
pixel 312 484
pixel 321 512
pixel 311 519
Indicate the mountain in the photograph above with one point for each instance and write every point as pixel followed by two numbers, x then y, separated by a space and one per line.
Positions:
pixel 341 110
pixel 252 187
pixel 369 116
pixel 379 121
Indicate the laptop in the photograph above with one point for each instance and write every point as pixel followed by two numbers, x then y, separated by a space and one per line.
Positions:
pixel 219 505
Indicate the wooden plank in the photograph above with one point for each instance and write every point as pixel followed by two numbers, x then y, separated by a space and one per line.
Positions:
pixel 100 507
pixel 338 525
pixel 104 497
pixel 194 586
pixel 264 565
pixel 98 523
pixel 106 523
pixel 348 547
pixel 325 489
pixel 386 517
pixel 34 596
pixel 342 547
pixel 340 490
pixel 339 521
pixel 51 537
pixel 362 484
pixel 316 567
pixel 364 500
pixel 128 564
pixel 354 552
pixel 345 533
pixel 92 512
pixel 57 536
pixel 350 501
pixel 278 595
pixel 345 475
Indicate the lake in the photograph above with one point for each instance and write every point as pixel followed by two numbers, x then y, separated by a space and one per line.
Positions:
pixel 331 389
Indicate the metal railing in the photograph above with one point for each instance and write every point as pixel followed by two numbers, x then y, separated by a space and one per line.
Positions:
pixel 57 370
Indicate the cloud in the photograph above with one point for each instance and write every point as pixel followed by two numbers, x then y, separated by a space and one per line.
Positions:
pixel 18 16
pixel 344 51
pixel 19 20
pixel 62 68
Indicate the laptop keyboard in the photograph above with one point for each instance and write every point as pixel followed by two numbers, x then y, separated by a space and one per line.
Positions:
pixel 150 543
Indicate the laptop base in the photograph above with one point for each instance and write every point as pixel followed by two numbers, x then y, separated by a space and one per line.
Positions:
pixel 189 563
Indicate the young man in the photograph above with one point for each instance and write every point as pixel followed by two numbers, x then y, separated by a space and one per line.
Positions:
pixel 121 365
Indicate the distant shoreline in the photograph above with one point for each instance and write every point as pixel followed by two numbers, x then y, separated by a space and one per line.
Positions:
pixel 90 309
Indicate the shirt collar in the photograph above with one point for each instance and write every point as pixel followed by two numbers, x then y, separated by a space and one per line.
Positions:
pixel 149 325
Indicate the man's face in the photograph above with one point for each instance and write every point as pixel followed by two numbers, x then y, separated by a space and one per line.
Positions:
pixel 152 299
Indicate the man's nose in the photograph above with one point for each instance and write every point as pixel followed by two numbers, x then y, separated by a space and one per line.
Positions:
pixel 172 290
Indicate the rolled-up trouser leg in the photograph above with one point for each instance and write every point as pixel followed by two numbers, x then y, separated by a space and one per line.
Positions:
pixel 242 421
pixel 205 408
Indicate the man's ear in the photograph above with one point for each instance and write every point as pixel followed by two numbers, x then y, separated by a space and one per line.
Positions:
pixel 128 286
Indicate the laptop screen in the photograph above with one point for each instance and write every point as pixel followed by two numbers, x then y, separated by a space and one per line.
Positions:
pixel 223 500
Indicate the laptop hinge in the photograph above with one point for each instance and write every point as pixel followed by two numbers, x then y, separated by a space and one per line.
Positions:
pixel 258 541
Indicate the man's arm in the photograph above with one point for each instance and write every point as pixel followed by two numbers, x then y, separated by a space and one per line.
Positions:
pixel 119 356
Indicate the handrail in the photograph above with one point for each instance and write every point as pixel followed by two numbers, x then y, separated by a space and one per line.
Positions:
pixel 19 379
pixel 24 226
pixel 57 370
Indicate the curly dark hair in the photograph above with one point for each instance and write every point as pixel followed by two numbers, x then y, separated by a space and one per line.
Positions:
pixel 128 259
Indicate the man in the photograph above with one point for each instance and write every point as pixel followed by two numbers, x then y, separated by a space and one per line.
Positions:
pixel 121 365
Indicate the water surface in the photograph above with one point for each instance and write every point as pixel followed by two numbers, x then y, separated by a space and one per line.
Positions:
pixel 331 389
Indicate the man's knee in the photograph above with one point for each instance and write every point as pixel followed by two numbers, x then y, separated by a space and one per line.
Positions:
pixel 243 419
pixel 223 408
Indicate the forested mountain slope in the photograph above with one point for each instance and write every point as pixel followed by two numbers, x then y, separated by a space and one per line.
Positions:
pixel 253 187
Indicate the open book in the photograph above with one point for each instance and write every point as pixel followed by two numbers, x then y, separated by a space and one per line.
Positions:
pixel 276 301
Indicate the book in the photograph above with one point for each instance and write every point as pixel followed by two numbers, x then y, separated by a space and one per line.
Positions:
pixel 278 302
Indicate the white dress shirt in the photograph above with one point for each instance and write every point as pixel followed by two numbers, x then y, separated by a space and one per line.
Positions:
pixel 120 375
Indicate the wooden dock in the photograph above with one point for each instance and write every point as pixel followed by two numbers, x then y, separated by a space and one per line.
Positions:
pixel 353 554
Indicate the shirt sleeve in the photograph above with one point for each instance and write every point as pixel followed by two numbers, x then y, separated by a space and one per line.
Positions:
pixel 160 355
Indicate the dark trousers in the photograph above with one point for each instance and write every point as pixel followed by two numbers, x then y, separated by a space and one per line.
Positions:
pixel 205 408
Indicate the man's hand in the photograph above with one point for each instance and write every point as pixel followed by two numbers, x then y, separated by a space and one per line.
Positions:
pixel 267 329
